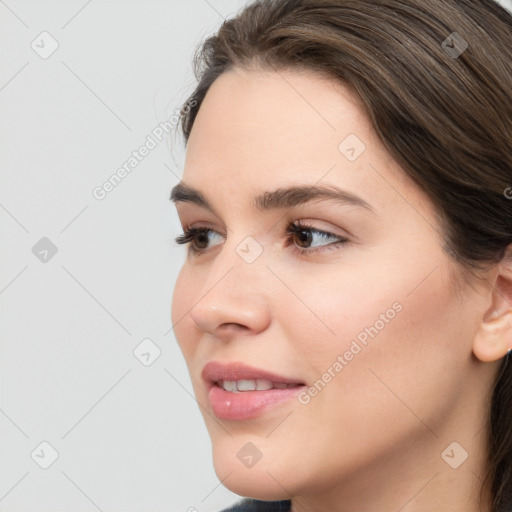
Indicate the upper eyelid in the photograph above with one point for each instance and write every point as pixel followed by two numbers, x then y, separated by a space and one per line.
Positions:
pixel 293 210
pixel 209 224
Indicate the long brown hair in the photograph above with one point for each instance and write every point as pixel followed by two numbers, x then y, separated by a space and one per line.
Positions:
pixel 435 78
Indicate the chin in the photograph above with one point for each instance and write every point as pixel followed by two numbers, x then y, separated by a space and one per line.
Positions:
pixel 249 481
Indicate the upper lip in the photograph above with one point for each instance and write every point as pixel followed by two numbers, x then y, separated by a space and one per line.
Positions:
pixel 215 371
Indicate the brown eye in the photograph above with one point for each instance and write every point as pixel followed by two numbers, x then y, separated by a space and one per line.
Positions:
pixel 197 238
pixel 305 235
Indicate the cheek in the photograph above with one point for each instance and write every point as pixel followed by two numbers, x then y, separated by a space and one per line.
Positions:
pixel 335 306
pixel 402 373
pixel 399 343
pixel 400 316
pixel 182 301
pixel 403 298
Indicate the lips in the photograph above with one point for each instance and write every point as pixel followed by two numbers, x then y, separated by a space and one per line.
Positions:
pixel 229 402
pixel 215 372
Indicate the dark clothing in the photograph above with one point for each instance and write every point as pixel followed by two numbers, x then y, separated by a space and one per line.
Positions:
pixel 250 505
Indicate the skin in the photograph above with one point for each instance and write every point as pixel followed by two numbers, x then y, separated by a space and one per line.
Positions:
pixel 373 438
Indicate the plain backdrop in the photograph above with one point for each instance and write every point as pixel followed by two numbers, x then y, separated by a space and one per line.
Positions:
pixel 96 410
pixel 83 281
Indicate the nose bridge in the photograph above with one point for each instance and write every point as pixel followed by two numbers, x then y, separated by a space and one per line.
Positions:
pixel 241 260
pixel 235 291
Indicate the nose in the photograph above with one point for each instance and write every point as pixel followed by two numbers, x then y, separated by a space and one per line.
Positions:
pixel 233 301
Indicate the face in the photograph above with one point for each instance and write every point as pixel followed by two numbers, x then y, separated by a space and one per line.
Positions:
pixel 358 308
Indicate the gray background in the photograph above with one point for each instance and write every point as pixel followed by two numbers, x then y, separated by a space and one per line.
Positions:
pixel 130 437
pixel 123 421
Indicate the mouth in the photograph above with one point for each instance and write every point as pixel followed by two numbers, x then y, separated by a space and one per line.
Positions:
pixel 243 385
pixel 240 392
pixel 239 377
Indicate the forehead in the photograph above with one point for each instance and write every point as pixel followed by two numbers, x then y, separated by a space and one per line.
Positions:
pixel 283 113
pixel 266 126
pixel 262 130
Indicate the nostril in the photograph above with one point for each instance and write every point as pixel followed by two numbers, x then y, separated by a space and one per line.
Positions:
pixel 227 327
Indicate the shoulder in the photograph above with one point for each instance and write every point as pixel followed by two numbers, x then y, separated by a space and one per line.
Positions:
pixel 250 505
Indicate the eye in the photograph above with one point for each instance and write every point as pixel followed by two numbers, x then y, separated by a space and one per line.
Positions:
pixel 306 235
pixel 194 237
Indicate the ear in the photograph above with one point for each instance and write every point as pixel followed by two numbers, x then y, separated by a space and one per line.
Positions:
pixel 494 336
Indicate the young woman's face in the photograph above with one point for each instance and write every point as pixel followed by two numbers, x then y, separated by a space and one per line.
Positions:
pixel 372 327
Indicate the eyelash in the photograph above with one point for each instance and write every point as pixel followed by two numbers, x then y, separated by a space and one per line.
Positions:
pixel 190 235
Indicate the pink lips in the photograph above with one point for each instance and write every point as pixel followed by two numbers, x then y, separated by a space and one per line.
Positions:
pixel 244 404
pixel 215 371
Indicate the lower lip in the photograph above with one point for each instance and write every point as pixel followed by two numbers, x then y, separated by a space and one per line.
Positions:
pixel 245 405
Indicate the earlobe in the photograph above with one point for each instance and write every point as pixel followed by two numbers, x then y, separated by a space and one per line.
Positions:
pixel 494 337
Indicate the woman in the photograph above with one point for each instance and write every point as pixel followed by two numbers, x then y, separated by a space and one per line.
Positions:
pixel 345 308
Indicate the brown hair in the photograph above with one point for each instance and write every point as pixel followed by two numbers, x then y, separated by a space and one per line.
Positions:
pixel 445 116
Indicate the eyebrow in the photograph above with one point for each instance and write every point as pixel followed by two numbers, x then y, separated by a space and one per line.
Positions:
pixel 279 198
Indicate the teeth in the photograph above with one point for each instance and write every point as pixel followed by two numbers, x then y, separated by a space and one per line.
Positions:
pixel 252 385
pixel 229 385
pixel 262 384
pixel 245 385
